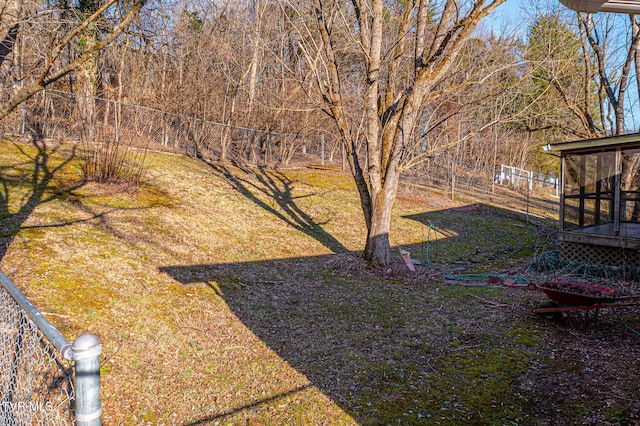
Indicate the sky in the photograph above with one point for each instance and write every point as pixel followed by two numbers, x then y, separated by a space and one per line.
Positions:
pixel 513 17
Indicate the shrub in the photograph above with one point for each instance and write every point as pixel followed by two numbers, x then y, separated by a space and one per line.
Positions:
pixel 114 162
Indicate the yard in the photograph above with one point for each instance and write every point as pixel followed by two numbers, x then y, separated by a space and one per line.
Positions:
pixel 230 295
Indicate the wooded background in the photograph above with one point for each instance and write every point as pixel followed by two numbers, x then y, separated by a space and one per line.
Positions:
pixel 562 76
pixel 393 83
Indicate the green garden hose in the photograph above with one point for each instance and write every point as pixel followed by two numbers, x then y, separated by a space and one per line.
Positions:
pixel 465 277
pixel 625 323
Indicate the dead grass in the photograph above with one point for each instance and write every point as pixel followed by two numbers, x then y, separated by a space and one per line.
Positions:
pixel 233 296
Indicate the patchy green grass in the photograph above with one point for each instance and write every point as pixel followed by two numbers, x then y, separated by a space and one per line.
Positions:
pixel 230 295
pixel 468 386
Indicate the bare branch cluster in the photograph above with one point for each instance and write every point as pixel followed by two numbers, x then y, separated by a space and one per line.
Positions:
pixel 391 82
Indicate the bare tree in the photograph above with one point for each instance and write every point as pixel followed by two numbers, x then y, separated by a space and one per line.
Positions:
pixel 11 18
pixel 51 66
pixel 613 80
pixel 561 80
pixel 586 67
pixel 378 63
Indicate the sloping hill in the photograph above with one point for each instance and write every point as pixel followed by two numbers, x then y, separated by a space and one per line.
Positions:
pixel 232 294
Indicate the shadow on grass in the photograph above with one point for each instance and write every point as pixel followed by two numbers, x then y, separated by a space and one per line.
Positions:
pixel 278 188
pixel 251 406
pixel 38 178
pixel 376 346
pixel 43 186
pixel 349 339
pixel 483 233
pixel 372 344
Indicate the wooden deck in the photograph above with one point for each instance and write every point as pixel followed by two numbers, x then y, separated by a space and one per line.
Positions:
pixel 604 235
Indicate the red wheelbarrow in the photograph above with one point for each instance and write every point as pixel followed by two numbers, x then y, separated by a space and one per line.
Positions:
pixel 583 299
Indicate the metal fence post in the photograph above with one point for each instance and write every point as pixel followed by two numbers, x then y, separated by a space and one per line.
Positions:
pixel 196 137
pixel 266 150
pixel 24 117
pixel 453 180
pixel 528 201
pixel 86 354
pixel 117 121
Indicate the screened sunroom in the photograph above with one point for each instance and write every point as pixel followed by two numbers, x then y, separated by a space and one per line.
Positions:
pixel 600 200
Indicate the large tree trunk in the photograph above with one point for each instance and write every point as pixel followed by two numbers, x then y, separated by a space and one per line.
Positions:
pixel 86 82
pixel 86 76
pixel 10 19
pixel 393 91
pixel 377 248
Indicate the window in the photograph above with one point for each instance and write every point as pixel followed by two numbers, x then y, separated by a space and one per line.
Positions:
pixel 630 186
pixel 589 189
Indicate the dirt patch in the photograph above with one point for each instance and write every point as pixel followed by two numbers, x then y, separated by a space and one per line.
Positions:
pixel 353 264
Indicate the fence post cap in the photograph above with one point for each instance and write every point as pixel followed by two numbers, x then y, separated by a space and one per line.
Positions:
pixel 86 346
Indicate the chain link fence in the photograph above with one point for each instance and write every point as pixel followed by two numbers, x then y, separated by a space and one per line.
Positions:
pixel 62 115
pixel 55 114
pixel 520 190
pixel 35 381
pixel 40 379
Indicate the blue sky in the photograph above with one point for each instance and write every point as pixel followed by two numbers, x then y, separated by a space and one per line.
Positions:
pixel 513 17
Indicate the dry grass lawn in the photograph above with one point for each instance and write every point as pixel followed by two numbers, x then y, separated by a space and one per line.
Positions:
pixel 229 295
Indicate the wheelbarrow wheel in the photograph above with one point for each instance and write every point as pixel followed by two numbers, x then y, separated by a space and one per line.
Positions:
pixel 550 315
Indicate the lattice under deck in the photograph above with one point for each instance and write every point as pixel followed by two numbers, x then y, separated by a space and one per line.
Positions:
pixel 605 255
